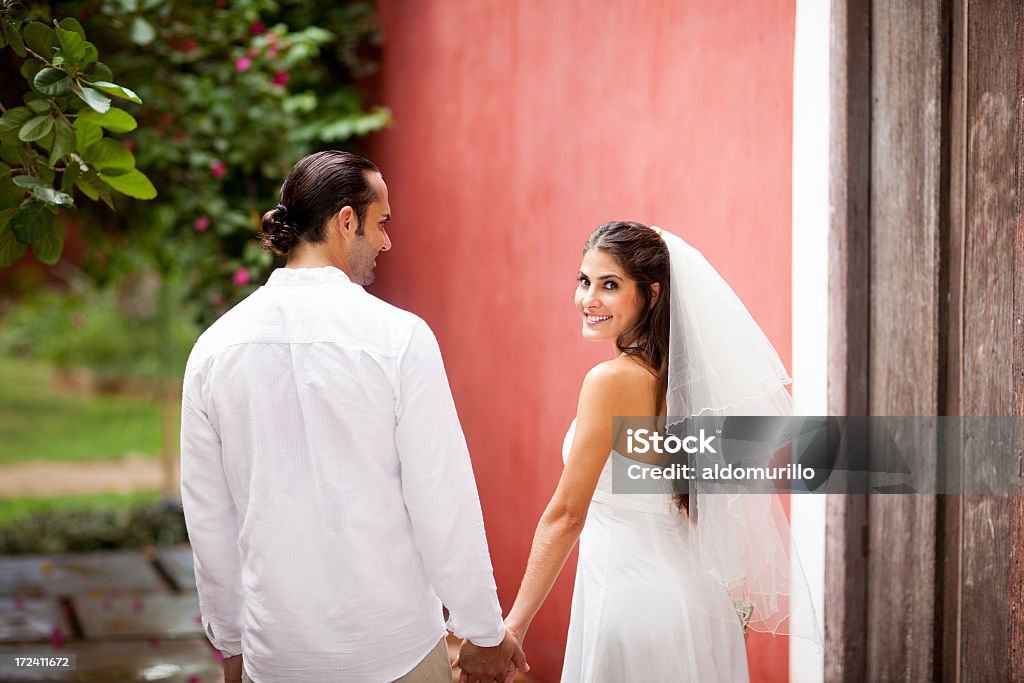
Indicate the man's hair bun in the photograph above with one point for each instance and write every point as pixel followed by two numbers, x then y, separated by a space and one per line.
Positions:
pixel 278 234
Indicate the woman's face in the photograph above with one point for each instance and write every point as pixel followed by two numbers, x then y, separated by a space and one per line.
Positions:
pixel 608 301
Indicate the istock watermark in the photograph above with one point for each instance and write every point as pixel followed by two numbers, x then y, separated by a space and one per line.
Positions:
pixel 815 454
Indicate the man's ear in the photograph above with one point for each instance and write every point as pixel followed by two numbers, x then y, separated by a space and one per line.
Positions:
pixel 655 293
pixel 346 221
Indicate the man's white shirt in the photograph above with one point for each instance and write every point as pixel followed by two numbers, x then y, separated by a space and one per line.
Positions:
pixel 328 491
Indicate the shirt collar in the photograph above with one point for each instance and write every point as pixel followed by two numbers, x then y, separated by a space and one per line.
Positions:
pixel 291 277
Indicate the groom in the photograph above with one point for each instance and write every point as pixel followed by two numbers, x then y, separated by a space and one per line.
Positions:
pixel 327 487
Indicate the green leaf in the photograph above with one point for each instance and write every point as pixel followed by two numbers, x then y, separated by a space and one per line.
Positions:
pixel 10 248
pixel 86 134
pixel 71 24
pixel 95 99
pixel 133 183
pixel 40 37
pixel 12 152
pixel 26 181
pixel 72 45
pixel 110 157
pixel 115 120
pixel 30 222
pixel 13 119
pixel 37 103
pixel 63 142
pixel 52 82
pixel 99 72
pixel 48 247
pixel 142 32
pixel 5 217
pixel 29 69
pixel 10 194
pixel 13 37
pixel 91 54
pixel 36 128
pixel 117 91
pixel 42 191
pixel 88 188
pixel 68 178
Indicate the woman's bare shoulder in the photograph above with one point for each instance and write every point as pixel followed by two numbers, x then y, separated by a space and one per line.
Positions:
pixel 622 377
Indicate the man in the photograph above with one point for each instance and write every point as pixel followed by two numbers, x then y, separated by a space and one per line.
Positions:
pixel 327 487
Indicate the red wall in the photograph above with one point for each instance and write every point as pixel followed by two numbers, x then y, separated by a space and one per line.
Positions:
pixel 519 128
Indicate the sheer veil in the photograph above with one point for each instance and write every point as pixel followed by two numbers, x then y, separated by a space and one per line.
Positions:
pixel 721 364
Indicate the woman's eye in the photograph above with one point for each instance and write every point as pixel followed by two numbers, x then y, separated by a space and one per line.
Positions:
pixel 611 285
pixel 584 282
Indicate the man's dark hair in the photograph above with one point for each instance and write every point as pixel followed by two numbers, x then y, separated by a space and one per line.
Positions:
pixel 316 189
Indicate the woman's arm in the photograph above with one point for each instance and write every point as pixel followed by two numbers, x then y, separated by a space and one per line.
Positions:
pixel 606 393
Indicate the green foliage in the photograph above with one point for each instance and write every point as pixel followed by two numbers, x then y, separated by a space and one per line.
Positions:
pixel 85 526
pixel 235 93
pixel 43 422
pixel 117 333
pixel 64 80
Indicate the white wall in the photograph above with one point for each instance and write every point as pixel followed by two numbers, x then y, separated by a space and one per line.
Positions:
pixel 810 298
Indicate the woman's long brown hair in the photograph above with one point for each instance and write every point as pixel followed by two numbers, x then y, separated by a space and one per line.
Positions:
pixel 644 257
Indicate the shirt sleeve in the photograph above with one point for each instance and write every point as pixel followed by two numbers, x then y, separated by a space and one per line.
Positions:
pixel 212 521
pixel 441 496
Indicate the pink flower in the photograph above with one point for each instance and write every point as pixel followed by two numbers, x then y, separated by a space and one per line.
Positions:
pixel 272 51
pixel 281 78
pixel 241 277
pixel 242 64
pixel 217 299
pixel 254 52
pixel 218 168
pixel 257 28
pixel 202 223
pixel 130 145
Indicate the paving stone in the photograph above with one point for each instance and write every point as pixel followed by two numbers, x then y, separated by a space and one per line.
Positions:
pixel 170 661
pixel 143 616
pixel 176 562
pixel 96 574
pixel 32 620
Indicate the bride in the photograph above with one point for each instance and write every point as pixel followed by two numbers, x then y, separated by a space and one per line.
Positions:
pixel 661 593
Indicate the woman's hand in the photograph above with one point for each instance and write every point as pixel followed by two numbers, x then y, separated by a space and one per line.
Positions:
pixel 517 630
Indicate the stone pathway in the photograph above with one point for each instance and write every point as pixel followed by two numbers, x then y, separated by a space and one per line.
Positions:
pixel 127 617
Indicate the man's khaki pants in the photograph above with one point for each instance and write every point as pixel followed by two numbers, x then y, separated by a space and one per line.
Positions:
pixel 434 668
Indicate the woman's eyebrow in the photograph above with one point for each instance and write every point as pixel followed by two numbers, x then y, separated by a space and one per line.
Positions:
pixel 610 276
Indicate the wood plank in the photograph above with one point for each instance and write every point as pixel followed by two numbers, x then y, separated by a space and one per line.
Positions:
pixel 1016 569
pixel 951 276
pixel 908 195
pixel 988 320
pixel 850 173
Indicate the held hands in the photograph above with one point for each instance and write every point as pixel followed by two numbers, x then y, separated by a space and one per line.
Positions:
pixel 497 664
pixel 233 669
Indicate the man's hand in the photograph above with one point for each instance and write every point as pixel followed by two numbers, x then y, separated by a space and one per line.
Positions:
pixel 491 664
pixel 233 669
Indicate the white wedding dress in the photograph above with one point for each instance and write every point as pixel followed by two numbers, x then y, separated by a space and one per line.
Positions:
pixel 641 611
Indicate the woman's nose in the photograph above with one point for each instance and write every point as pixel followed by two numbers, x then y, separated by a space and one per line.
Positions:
pixel 387 243
pixel 590 299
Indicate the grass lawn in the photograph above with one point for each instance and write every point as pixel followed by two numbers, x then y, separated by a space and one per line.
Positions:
pixel 36 423
pixel 13 509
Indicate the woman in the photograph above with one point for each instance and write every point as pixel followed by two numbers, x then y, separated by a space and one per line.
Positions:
pixel 661 594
